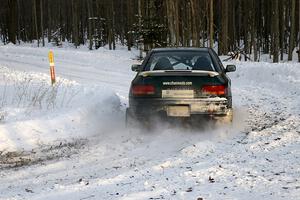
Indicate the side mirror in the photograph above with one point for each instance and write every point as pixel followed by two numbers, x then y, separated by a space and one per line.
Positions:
pixel 136 67
pixel 230 68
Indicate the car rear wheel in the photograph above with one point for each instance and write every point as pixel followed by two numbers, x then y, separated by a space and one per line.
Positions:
pixel 132 121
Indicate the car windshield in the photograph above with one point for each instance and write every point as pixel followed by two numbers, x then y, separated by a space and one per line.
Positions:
pixel 180 60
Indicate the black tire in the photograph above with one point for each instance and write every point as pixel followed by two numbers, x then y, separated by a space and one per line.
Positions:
pixel 132 121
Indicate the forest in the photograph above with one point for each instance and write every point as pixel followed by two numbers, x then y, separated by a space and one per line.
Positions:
pixel 252 27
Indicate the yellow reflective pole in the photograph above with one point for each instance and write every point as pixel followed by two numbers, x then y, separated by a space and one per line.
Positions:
pixel 52 70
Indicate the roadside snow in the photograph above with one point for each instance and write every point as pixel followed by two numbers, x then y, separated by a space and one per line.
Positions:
pixel 72 143
pixel 34 114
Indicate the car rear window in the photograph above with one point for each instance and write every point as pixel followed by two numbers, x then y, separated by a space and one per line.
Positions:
pixel 177 60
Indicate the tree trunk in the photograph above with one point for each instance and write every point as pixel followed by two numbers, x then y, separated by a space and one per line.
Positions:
pixel 19 22
pixel 211 23
pixel 75 31
pixel 177 20
pixel 35 22
pixel 281 26
pixel 113 25
pixel 275 31
pixel 90 25
pixel 194 24
pixel 12 21
pixel 292 33
pixel 188 24
pixel 171 20
pixel 49 21
pixel 42 22
pixel 253 30
pixel 299 31
pixel 129 24
pixel 140 28
pixel 223 44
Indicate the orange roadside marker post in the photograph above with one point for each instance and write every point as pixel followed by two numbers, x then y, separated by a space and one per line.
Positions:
pixel 52 70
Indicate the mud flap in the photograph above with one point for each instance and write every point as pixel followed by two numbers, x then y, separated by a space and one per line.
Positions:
pixel 225 120
pixel 130 120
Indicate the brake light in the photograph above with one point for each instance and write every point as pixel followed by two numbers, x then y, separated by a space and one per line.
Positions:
pixel 138 90
pixel 214 89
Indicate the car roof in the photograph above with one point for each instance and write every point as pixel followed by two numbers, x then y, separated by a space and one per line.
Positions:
pixel 203 49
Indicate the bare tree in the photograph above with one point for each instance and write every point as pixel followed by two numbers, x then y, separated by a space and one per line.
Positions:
pixel 251 26
pixel 211 23
pixel 42 22
pixel 35 22
pixel 12 21
pixel 292 33
pixel 275 31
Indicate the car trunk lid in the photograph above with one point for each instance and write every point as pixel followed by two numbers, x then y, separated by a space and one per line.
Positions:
pixel 183 84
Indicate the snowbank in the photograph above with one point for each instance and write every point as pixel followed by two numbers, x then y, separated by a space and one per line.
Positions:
pixel 34 113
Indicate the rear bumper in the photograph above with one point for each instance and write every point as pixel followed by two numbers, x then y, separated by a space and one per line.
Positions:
pixel 201 106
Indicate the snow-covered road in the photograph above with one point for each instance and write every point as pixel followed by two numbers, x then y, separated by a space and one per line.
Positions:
pixel 75 146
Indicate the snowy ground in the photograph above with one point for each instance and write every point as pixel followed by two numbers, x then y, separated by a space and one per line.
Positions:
pixel 70 142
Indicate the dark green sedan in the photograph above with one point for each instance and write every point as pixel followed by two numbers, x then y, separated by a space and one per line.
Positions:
pixel 180 83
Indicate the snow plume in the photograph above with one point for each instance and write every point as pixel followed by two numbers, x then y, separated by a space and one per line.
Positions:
pixel 175 135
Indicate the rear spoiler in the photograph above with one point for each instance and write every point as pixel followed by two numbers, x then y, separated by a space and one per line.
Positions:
pixel 179 73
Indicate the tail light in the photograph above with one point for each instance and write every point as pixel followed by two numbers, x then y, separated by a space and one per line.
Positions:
pixel 140 90
pixel 217 90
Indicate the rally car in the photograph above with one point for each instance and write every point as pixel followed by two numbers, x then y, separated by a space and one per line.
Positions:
pixel 180 83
